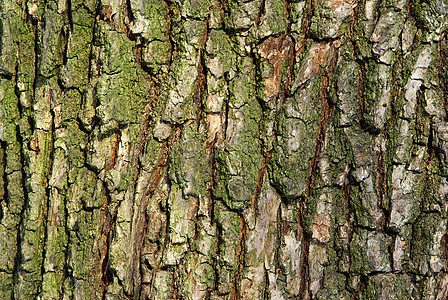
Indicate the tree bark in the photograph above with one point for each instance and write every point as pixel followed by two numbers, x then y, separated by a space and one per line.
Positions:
pixel 223 149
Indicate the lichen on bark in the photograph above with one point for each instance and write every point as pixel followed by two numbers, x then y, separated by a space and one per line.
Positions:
pixel 209 149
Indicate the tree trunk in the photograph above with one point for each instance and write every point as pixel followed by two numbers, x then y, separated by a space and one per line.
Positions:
pixel 259 149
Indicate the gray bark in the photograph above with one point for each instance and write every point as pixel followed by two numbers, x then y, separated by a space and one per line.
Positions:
pixel 208 149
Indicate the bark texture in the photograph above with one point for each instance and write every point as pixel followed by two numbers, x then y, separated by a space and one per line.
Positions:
pixel 223 149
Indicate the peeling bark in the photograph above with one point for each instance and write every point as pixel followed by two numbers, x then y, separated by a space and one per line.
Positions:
pixel 260 149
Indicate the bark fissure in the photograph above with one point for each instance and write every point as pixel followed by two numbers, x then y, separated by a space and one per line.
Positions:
pixel 109 222
pixel 240 256
pixel 3 159
pixel 46 203
pixel 202 73
pixel 304 290
pixel 20 228
pixel 202 149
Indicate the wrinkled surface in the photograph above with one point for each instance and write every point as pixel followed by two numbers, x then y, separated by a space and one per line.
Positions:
pixel 207 149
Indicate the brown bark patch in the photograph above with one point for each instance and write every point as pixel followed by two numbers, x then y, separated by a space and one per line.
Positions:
pixel 321 228
pixel 34 144
pixel 193 208
pixel 214 125
pixel 319 55
pixel 274 50
pixel 337 3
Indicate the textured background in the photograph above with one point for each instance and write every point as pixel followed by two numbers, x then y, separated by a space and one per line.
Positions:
pixel 257 149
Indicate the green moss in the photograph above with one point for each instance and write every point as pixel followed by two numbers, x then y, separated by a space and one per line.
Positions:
pixel 373 92
pixel 26 69
pixel 9 101
pixel 295 145
pixel 419 10
pixel 6 285
pixel 241 15
pixel 50 53
pixel 74 144
pixel 361 38
pixel 238 167
pixel 150 155
pixel 204 243
pixel 84 193
pixel 242 89
pixel 324 21
pixel 75 72
pixel 424 239
pixel 390 286
pixel 157 15
pixel 206 274
pixel 189 166
pixel 333 286
pixel 431 198
pixel 219 44
pixel 90 5
pixel 71 103
pixel 156 56
pixel 196 8
pixel 8 51
pixel 123 87
pixel 277 18
pixel 13 150
pixel 51 284
pixel 361 212
pixel 229 226
pixel 82 34
pixel 369 252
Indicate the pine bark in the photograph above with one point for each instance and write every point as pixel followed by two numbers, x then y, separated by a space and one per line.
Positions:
pixel 223 149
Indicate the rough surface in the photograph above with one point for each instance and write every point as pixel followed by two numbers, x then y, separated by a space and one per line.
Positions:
pixel 208 149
